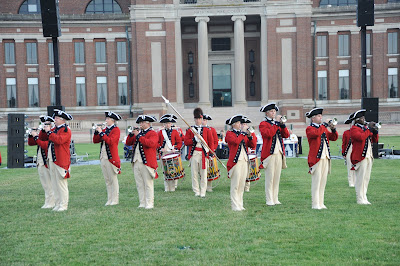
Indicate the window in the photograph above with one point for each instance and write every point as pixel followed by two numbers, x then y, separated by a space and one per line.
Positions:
pixel 322 85
pixel 337 3
pixel 101 52
pixel 101 91
pixel 52 91
pixel 79 52
pixel 51 54
pixel 321 46
pixel 368 43
pixel 31 53
pixel 121 52
pixel 392 43
pixel 343 45
pixel 30 7
pixel 344 91
pixel 220 44
pixel 103 6
pixel 393 83
pixel 122 90
pixel 9 53
pixel 80 91
pixel 221 82
pixel 33 92
pixel 11 92
pixel 369 94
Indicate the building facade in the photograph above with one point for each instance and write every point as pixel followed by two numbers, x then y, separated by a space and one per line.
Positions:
pixel 226 56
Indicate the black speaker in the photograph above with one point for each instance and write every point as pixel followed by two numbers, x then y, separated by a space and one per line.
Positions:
pixel 16 141
pixel 372 114
pixel 365 13
pixel 372 107
pixel 50 18
pixel 50 109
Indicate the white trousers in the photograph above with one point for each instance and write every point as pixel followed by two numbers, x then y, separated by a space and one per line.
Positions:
pixel 45 180
pixel 273 171
pixel 362 176
pixel 60 186
pixel 144 185
pixel 110 173
pixel 169 185
pixel 238 175
pixel 198 173
pixel 318 183
pixel 350 173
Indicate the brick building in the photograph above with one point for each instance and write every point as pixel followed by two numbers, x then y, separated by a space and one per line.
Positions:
pixel 226 56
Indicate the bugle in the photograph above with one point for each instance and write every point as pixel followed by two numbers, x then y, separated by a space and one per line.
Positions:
pixel 284 119
pixel 333 121
pixel 131 129
pixel 102 126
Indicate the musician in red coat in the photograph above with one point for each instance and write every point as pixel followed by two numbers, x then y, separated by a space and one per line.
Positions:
pixel 35 139
pixel 206 118
pixel 250 149
pixel 199 154
pixel 59 158
pixel 273 151
pixel 169 141
pixel 144 159
pixel 108 137
pixel 319 157
pixel 347 148
pixel 238 140
pixel 362 137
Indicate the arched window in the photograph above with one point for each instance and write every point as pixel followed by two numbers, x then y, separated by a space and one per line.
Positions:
pixel 103 7
pixel 338 3
pixel 30 7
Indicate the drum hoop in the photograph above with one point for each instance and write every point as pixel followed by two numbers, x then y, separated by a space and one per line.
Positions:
pixel 171 155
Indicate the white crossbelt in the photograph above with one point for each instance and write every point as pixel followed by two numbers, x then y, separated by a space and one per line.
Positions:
pixel 167 141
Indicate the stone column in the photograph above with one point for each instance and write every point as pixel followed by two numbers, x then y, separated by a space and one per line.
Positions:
pixel 178 59
pixel 264 60
pixel 204 85
pixel 240 85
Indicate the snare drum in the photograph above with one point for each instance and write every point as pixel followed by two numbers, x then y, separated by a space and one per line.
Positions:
pixel 254 173
pixel 212 172
pixel 172 166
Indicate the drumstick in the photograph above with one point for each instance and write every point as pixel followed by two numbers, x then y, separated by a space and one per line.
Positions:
pixel 203 142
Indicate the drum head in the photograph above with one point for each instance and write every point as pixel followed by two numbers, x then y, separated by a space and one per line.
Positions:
pixel 252 156
pixel 169 156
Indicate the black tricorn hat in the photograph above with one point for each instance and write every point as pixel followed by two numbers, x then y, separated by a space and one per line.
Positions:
pixel 234 119
pixel 62 114
pixel 198 113
pixel 350 119
pixel 207 117
pixel 113 115
pixel 46 118
pixel 315 111
pixel 358 114
pixel 147 118
pixel 168 118
pixel 268 107
pixel 245 120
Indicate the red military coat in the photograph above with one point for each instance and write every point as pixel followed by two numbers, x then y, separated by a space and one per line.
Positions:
pixel 215 138
pixel 346 142
pixel 191 142
pixel 148 143
pixel 43 144
pixel 60 139
pixel 271 133
pixel 173 136
pixel 360 135
pixel 236 139
pixel 110 138
pixel 314 137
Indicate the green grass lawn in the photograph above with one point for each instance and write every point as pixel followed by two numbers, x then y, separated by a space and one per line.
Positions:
pixel 185 230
